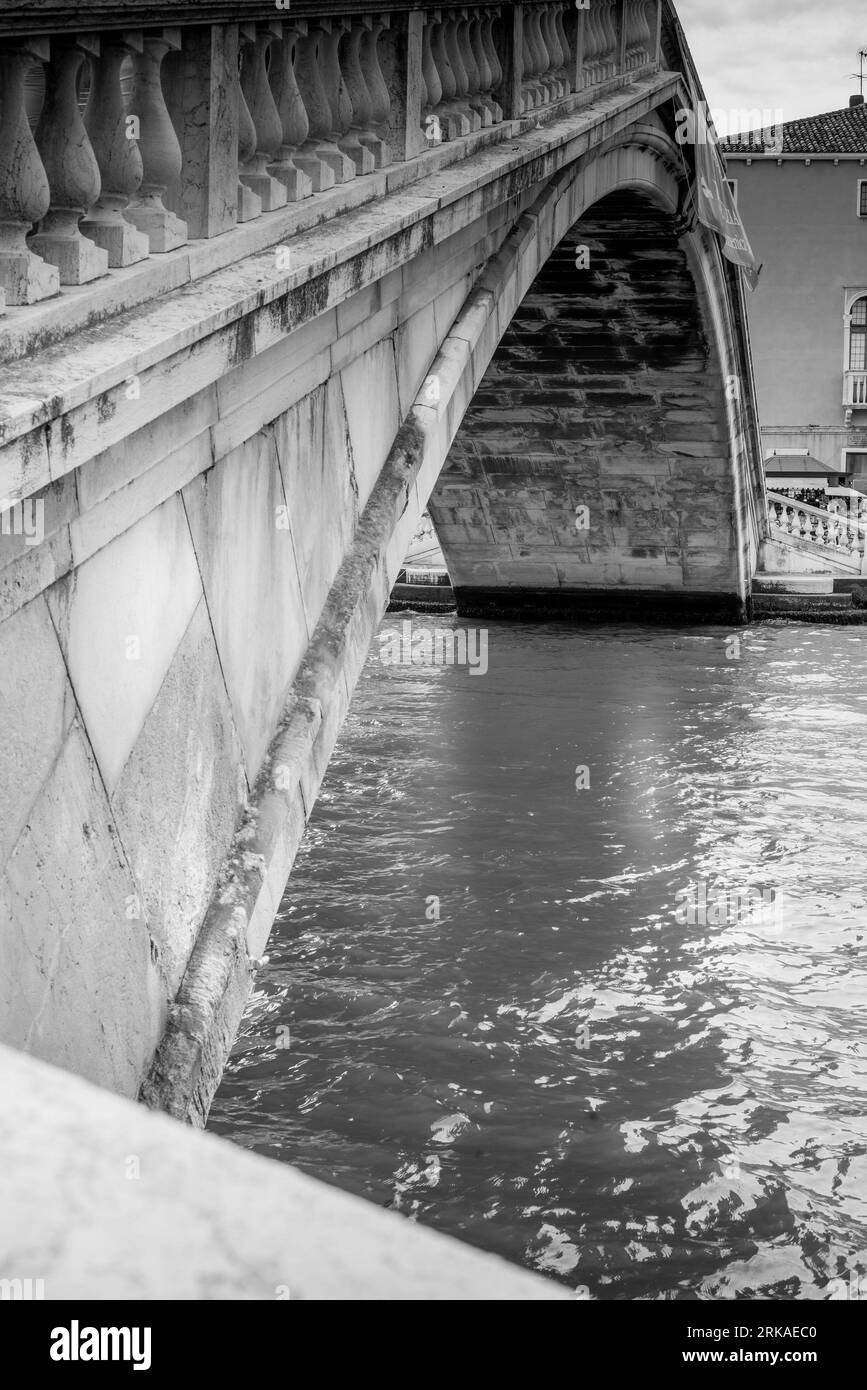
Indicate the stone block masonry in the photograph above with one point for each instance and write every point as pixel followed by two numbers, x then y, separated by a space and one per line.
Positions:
pixel 592 475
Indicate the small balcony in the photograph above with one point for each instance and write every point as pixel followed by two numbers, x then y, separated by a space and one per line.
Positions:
pixel 855 390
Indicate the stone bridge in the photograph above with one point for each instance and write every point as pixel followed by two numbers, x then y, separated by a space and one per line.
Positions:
pixel 273 282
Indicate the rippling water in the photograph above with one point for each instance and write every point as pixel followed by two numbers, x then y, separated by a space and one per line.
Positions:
pixel 560 1069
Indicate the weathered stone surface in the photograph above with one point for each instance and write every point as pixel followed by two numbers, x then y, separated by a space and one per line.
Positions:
pixel 79 979
pixel 244 541
pixel 34 731
pixel 373 413
pixel 318 471
pixel 120 621
pixel 179 795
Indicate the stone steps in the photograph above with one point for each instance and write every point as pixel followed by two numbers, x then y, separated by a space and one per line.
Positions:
pixel 806 598
pixel 814 584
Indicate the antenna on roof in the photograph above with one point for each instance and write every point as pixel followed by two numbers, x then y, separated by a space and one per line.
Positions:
pixel 862 54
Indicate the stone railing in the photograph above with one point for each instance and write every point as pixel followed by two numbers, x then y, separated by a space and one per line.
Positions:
pixel 842 530
pixel 127 142
pixel 855 390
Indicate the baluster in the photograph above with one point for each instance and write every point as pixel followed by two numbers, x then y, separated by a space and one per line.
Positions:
pixel 592 45
pixel 530 93
pixel 565 49
pixel 24 191
pixel 293 117
pixel 557 56
pixel 486 74
pixel 543 62
pixel 462 81
pixel 630 24
pixel 341 134
pixel 603 51
pixel 490 18
pixel 612 51
pixel 474 76
pixel 552 43
pixel 317 114
pixel 249 203
pixel 357 96
pixel 374 128
pixel 70 166
pixel 433 93
pixel 117 154
pixel 645 32
pixel 540 90
pixel 375 136
pixel 339 103
pixel 256 41
pixel 550 81
pixel 452 121
pixel 158 144
pixel 311 70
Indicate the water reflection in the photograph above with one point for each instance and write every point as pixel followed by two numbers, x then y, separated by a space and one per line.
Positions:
pixel 497 1023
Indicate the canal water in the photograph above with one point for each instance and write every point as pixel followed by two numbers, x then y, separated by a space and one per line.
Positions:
pixel 519 990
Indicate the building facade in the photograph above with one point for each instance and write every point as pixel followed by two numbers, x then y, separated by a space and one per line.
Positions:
pixel 802 195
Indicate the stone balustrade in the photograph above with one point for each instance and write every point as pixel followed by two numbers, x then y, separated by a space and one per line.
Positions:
pixel 843 529
pixel 128 142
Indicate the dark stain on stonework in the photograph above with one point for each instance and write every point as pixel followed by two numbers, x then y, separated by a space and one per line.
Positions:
pixel 308 300
pixel 67 433
pixel 106 408
pixel 278 314
pixel 244 342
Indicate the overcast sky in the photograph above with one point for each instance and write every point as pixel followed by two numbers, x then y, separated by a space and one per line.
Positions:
pixel 788 54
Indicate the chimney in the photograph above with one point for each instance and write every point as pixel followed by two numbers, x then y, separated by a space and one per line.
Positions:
pixel 856 101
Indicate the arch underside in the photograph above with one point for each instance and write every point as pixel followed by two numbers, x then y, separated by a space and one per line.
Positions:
pixel 593 473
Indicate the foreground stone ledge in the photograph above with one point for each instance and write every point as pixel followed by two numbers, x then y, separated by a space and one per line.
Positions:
pixel 103 1199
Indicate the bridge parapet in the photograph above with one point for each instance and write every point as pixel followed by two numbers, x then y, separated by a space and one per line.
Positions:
pixel 137 129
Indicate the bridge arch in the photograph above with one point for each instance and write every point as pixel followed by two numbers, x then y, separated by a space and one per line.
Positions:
pixel 671 526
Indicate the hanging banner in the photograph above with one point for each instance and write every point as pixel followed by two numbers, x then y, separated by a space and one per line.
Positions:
pixel 715 202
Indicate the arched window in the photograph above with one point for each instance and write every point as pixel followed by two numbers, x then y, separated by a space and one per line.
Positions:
pixel 858 336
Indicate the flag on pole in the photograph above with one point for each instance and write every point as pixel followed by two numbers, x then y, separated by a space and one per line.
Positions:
pixel 715 202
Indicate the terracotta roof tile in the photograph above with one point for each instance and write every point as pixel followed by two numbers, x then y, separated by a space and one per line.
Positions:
pixel 836 132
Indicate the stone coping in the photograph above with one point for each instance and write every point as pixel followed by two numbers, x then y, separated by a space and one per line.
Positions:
pixel 103 1199
pixel 25 17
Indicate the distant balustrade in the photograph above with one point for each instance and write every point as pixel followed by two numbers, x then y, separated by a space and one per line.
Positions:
pixel 120 145
pixel 841 527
